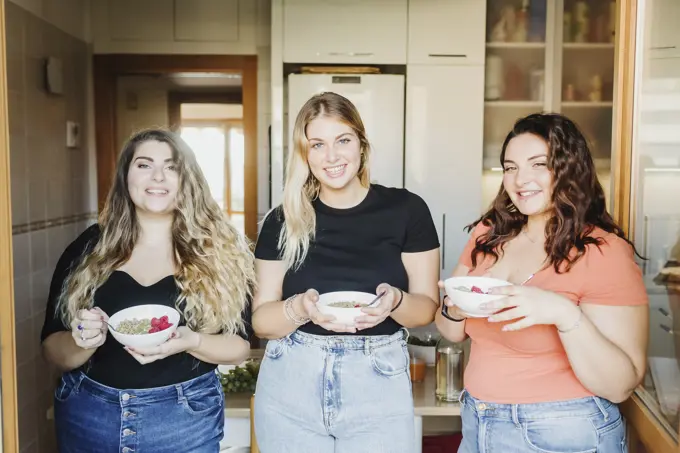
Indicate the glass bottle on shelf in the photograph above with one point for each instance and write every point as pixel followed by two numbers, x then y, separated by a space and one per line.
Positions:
pixel 449 367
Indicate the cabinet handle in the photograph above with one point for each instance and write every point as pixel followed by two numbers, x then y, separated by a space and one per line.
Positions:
pixel 351 54
pixel 447 55
pixel 664 312
pixel 662 47
pixel 443 241
pixel 665 328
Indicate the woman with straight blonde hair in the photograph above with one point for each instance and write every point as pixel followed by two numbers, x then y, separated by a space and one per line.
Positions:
pixel 161 239
pixel 326 387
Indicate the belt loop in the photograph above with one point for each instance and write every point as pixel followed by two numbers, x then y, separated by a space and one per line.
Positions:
pixel 515 415
pixel 367 346
pixel 461 397
pixel 605 414
pixel 79 380
pixel 180 393
pixel 406 334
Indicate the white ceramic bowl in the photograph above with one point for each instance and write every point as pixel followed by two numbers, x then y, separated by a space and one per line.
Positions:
pixel 344 316
pixel 469 302
pixel 144 311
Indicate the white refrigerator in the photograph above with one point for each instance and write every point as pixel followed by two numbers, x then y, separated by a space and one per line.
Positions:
pixel 379 98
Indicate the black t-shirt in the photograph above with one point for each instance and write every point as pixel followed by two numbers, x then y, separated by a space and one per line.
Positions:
pixel 356 249
pixel 111 365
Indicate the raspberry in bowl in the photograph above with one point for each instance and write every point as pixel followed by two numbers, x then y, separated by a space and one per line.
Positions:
pixel 144 326
pixel 469 292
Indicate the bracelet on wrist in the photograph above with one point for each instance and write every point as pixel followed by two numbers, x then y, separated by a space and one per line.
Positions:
pixel 575 325
pixel 401 299
pixel 289 312
pixel 445 313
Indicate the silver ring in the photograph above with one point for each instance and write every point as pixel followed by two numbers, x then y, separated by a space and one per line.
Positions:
pixel 82 335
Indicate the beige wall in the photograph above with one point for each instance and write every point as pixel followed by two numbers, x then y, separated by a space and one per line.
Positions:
pixel 151 108
pixel 51 196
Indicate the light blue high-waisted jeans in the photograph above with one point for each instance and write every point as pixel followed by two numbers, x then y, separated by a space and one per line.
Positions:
pixel 584 425
pixel 335 394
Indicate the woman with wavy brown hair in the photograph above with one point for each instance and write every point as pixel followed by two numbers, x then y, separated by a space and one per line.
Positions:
pixel 569 339
pixel 160 239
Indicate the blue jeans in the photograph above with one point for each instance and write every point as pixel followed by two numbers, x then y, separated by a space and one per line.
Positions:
pixel 181 418
pixel 584 425
pixel 335 394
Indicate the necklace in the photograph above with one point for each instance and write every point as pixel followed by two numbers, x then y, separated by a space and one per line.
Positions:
pixel 528 237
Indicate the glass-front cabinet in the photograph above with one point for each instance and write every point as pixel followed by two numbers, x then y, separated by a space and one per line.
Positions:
pixel 655 199
pixel 548 56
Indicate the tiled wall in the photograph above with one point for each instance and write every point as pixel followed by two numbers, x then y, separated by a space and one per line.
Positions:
pixel 264 104
pixel 51 200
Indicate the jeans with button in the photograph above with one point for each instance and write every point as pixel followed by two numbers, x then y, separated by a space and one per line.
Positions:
pixel 335 394
pixel 181 418
pixel 584 425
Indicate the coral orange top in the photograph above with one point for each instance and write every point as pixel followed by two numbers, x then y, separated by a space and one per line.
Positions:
pixel 531 365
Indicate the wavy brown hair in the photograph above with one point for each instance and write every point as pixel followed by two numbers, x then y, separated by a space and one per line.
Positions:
pixel 215 266
pixel 578 204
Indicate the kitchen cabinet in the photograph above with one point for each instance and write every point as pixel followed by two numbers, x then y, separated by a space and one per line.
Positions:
pixel 443 158
pixel 664 36
pixel 345 31
pixel 446 32
pixel 548 56
pixel 206 20
pixel 219 27
pixel 132 20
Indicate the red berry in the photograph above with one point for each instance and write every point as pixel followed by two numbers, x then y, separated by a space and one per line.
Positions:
pixel 477 290
pixel 155 322
pixel 164 318
pixel 154 330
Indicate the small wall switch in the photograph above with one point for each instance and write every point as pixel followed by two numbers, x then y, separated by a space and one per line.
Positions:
pixel 72 134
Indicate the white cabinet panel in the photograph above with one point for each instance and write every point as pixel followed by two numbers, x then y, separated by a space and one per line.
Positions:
pixel 443 157
pixel 446 31
pixel 206 20
pixel 134 20
pixel 664 34
pixel 345 31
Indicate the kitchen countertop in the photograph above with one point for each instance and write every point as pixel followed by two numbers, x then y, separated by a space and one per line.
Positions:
pixel 424 401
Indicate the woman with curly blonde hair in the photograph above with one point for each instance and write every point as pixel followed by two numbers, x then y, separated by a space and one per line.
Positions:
pixel 160 239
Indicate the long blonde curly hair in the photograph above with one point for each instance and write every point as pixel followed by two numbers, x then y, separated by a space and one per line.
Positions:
pixel 215 276
pixel 301 186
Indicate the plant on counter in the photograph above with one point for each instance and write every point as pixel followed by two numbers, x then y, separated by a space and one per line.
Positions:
pixel 241 378
pixel 429 341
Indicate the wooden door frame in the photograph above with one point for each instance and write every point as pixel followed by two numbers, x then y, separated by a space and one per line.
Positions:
pixel 624 112
pixel 10 429
pixel 177 98
pixel 108 67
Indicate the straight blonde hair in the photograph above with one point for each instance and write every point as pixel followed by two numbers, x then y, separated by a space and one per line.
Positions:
pixel 301 186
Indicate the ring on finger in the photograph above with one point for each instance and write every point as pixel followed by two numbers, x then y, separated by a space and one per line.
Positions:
pixel 82 335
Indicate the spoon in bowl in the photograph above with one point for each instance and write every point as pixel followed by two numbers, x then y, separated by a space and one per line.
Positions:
pixel 378 297
pixel 112 328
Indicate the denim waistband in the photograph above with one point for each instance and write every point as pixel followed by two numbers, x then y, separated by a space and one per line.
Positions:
pixel 580 407
pixel 347 342
pixel 139 396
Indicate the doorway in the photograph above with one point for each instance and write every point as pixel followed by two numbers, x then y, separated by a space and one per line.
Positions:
pixel 212 79
pixel 218 144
